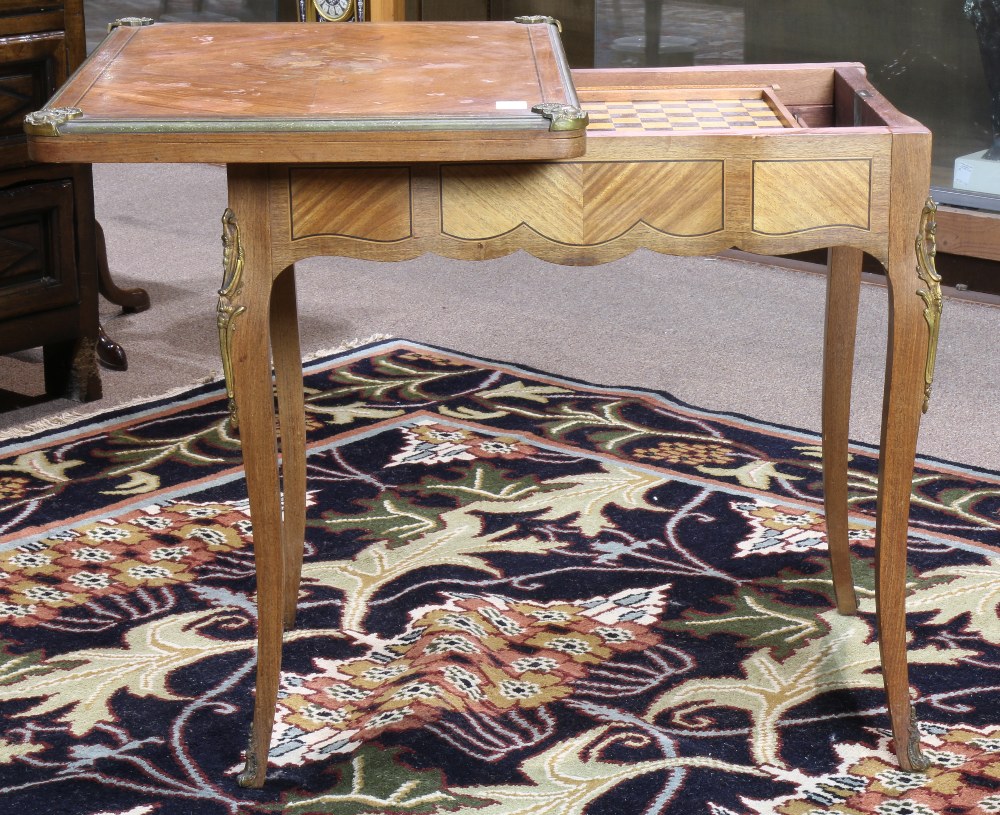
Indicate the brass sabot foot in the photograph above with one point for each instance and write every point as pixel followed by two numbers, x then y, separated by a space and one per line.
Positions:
pixel 912 758
pixel 254 771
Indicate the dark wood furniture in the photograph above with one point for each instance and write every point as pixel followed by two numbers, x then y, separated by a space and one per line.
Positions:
pixel 369 167
pixel 52 258
pixel 48 255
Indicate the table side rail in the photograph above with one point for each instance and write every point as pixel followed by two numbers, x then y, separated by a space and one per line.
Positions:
pixel 804 84
pixel 858 103
pixel 698 196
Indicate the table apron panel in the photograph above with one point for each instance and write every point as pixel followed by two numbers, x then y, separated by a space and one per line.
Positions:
pixel 580 212
pixel 799 195
pixel 583 203
pixel 369 203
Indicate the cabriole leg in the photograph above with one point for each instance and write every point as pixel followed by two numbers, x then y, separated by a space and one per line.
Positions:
pixel 910 354
pixel 842 296
pixel 291 421
pixel 246 298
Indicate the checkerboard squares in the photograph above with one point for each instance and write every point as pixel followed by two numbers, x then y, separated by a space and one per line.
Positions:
pixel 681 114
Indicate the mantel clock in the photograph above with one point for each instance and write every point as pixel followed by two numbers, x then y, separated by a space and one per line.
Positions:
pixel 336 11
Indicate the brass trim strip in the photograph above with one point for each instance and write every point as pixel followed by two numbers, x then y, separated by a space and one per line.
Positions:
pixel 926 244
pixel 565 74
pixel 227 311
pixel 450 124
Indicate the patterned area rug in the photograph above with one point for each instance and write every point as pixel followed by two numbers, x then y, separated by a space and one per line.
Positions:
pixel 522 595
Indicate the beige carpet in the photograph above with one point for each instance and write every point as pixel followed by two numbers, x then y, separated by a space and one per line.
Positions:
pixel 720 333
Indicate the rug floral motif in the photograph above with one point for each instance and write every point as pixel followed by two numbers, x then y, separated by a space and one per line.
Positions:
pixel 522 595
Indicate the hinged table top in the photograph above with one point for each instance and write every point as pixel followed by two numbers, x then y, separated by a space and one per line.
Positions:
pixel 286 86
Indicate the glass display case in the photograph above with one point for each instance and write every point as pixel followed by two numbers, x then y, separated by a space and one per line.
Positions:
pixel 99 13
pixel 924 55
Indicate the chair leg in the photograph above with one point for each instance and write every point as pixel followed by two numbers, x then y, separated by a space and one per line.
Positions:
pixel 131 300
pixel 109 353
pixel 842 297
pixel 291 417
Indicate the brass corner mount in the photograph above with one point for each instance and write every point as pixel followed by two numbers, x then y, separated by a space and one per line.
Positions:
pixel 535 19
pixel 130 22
pixel 46 122
pixel 562 116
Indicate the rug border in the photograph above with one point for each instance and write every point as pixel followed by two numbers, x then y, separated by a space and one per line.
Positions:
pixel 99 414
pixel 27 435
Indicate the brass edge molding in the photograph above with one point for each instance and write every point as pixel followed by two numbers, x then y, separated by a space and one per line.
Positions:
pixel 565 73
pixel 535 19
pixel 926 245
pixel 46 122
pixel 562 117
pixel 95 126
pixel 130 22
pixel 232 285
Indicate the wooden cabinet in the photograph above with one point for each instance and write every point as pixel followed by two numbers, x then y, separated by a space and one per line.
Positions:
pixel 48 256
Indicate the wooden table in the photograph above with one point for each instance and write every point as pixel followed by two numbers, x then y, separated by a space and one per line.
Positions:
pixel 384 141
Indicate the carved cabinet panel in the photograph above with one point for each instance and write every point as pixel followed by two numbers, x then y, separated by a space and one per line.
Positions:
pixel 37 256
pixel 31 68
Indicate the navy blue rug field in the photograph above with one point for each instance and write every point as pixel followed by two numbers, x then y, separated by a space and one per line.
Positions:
pixel 523 595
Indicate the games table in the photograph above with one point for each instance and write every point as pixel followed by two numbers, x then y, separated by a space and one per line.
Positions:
pixel 389 140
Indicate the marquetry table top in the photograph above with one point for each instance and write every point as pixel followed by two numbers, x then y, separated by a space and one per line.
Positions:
pixel 286 86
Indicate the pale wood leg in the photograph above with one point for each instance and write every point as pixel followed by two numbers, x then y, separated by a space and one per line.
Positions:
pixel 252 384
pixel 291 415
pixel 900 423
pixel 842 295
pixel 906 363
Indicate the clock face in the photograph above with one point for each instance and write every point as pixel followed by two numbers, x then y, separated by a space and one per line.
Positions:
pixel 335 10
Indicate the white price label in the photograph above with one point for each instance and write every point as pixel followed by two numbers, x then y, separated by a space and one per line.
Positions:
pixel 963 172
